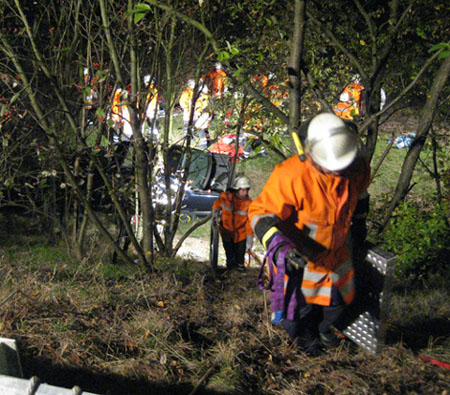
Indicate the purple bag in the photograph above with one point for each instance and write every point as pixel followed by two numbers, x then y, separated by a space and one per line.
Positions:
pixel 281 308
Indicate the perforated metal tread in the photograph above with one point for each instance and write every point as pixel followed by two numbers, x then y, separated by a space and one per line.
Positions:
pixel 365 321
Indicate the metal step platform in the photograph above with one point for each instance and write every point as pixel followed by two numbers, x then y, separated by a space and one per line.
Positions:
pixel 365 321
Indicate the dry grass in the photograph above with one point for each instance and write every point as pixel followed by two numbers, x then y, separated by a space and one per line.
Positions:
pixel 117 330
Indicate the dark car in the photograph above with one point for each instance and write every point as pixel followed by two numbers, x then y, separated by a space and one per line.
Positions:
pixel 207 178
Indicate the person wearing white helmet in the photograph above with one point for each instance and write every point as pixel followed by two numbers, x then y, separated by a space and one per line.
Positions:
pixel 149 126
pixel 186 103
pixel 234 226
pixel 302 217
pixel 350 103
pixel 216 81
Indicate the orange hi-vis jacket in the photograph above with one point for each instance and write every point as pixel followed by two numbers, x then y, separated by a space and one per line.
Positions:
pixel 116 108
pixel 151 101
pixel 216 80
pixel 315 211
pixel 346 110
pixel 355 94
pixel 186 101
pixel 234 223
pixel 262 80
pixel 200 104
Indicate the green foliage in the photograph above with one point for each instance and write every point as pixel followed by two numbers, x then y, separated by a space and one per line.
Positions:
pixel 440 46
pixel 116 272
pixel 420 240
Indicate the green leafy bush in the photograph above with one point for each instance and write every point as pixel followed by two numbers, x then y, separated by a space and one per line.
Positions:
pixel 420 240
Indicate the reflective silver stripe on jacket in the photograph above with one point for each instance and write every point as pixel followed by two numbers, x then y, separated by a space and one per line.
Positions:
pixel 225 207
pixel 245 213
pixel 312 276
pixel 322 291
pixel 341 271
pixel 347 288
pixel 256 218
pixel 228 208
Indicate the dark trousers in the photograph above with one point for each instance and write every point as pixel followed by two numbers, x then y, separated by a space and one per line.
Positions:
pixel 235 253
pixel 314 319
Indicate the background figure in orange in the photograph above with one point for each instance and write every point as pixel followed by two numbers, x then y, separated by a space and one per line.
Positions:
pixel 202 118
pixel 234 226
pixel 120 115
pixel 350 101
pixel 186 103
pixel 262 80
pixel 216 80
pixel 92 97
pixel 149 127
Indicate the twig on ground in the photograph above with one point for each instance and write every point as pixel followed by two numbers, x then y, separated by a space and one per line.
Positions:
pixel 203 378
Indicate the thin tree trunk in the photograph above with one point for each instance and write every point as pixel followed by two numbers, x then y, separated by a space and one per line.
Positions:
pixel 295 64
pixel 426 120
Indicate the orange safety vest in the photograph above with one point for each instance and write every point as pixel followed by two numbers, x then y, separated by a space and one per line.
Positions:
pixel 216 81
pixel 200 104
pixel 186 101
pixel 116 108
pixel 317 207
pixel 234 223
pixel 354 94
pixel 151 102
pixel 346 110
pixel 262 80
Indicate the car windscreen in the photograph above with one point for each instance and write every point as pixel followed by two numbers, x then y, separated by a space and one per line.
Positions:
pixel 199 169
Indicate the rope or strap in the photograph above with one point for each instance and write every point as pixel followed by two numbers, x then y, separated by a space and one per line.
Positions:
pixel 444 365
pixel 276 284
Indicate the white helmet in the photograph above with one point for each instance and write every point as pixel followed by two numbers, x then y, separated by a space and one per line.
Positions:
pixel 147 79
pixel 242 182
pixel 191 84
pixel 218 66
pixel 330 143
pixel 344 97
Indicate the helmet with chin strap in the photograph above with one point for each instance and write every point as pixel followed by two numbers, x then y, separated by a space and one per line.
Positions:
pixel 242 182
pixel 330 143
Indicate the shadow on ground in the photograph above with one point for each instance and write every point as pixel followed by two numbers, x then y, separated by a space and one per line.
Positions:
pixel 102 384
pixel 418 334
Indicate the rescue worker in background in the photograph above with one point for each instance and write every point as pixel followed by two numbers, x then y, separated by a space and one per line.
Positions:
pixel 351 100
pixel 203 118
pixel 120 115
pixel 234 226
pixel 91 98
pixel 303 217
pixel 149 127
pixel 216 80
pixel 186 103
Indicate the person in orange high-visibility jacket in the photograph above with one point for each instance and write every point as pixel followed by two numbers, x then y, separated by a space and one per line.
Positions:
pixel 350 100
pixel 234 226
pixel 345 110
pixel 216 81
pixel 311 205
pixel 186 103
pixel 149 126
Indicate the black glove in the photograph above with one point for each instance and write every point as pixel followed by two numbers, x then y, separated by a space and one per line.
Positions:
pixel 294 262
